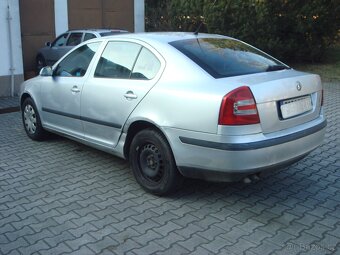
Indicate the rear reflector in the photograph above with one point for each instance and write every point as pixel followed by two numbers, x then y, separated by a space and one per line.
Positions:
pixel 238 107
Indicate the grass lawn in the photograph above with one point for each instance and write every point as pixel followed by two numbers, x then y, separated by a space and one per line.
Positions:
pixel 328 69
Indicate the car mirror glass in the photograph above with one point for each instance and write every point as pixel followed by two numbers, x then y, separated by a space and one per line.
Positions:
pixel 48 44
pixel 46 71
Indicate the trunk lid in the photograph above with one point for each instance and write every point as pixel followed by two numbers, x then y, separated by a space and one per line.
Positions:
pixel 284 98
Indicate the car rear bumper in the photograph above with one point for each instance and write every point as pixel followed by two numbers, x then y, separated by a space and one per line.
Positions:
pixel 229 158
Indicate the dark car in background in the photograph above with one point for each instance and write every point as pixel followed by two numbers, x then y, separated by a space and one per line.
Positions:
pixel 52 52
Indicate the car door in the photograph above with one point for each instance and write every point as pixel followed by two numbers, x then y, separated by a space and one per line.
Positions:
pixel 51 54
pixel 73 40
pixel 125 72
pixel 61 92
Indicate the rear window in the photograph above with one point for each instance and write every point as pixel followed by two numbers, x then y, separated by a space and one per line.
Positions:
pixel 222 57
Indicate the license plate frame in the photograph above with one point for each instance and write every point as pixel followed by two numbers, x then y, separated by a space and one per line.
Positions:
pixel 295 106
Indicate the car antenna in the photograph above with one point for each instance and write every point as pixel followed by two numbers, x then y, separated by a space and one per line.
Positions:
pixel 202 22
pixel 198 28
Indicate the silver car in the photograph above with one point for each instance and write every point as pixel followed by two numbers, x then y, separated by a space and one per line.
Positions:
pixel 52 52
pixel 179 104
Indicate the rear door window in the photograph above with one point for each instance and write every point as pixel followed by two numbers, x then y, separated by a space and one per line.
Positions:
pixel 74 39
pixel 117 60
pixel 146 67
pixel 89 36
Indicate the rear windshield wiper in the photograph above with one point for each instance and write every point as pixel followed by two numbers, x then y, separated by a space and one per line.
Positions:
pixel 276 68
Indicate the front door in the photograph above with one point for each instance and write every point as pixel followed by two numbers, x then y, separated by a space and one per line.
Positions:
pixel 61 93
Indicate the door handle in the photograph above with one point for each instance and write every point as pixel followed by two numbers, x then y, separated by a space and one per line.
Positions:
pixel 75 89
pixel 130 95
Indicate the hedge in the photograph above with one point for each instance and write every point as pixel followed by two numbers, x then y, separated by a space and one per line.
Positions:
pixel 292 30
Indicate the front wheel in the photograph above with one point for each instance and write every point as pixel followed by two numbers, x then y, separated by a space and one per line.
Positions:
pixel 31 120
pixel 153 164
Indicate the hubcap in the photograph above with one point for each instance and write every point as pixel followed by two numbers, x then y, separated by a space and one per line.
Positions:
pixel 151 163
pixel 30 119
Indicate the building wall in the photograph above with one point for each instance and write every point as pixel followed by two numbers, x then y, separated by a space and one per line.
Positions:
pixel 37 27
pixel 35 22
pixel 101 14
pixel 139 15
pixel 7 43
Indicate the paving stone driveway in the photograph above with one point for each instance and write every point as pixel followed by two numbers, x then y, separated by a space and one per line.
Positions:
pixel 59 197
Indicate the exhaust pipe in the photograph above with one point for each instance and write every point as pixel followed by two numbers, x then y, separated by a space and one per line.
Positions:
pixel 251 178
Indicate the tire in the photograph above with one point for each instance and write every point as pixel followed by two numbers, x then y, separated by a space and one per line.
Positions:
pixel 153 163
pixel 31 120
pixel 40 63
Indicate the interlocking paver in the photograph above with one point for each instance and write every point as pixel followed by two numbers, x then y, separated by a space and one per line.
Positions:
pixel 40 245
pixel 61 197
pixel 240 246
pixel 150 248
pixel 125 247
pixel 106 243
pixel 194 241
pixel 79 231
pixel 188 230
pixel 211 233
pixel 82 251
pixel 265 248
pixel 216 245
pixel 200 251
pixel 10 246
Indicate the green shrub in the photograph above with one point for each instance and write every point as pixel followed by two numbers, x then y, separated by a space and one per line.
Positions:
pixel 291 30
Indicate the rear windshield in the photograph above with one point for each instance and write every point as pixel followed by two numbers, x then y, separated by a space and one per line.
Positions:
pixel 222 57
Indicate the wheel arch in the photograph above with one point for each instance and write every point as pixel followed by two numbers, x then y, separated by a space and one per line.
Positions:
pixel 23 97
pixel 136 127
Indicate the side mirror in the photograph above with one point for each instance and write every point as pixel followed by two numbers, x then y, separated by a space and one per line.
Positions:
pixel 48 44
pixel 46 71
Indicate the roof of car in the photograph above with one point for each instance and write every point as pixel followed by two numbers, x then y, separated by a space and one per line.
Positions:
pixel 98 30
pixel 166 37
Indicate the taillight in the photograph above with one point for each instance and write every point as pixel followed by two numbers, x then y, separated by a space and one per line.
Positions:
pixel 238 108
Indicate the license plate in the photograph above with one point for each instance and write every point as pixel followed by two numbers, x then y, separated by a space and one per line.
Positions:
pixel 296 106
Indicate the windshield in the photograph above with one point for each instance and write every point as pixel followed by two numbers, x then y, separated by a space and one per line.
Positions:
pixel 222 57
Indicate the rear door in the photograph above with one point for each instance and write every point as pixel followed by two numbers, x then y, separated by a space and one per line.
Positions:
pixel 125 72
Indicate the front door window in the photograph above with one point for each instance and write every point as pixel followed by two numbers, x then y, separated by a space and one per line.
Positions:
pixel 77 62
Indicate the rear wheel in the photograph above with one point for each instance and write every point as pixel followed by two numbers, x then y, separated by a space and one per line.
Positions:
pixel 31 120
pixel 153 164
